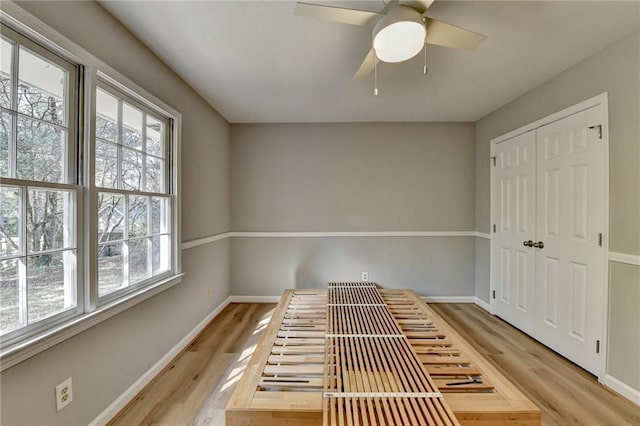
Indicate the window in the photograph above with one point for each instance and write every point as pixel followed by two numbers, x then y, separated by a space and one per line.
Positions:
pixel 38 196
pixel 87 217
pixel 133 199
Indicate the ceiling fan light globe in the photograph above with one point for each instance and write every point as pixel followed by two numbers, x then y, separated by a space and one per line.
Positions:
pixel 399 41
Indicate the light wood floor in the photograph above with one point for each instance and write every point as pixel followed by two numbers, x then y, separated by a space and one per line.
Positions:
pixel 195 387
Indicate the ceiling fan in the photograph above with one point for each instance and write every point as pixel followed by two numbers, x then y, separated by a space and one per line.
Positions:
pixel 400 32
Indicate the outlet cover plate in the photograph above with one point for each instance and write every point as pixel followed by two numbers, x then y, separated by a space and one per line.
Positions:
pixel 64 394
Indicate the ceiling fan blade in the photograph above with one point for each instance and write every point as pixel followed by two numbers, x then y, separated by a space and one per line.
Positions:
pixel 367 65
pixel 337 14
pixel 419 5
pixel 447 35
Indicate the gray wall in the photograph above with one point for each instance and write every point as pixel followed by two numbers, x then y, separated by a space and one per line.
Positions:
pixel 106 359
pixel 483 268
pixel 624 317
pixel 614 70
pixel 353 177
pixel 432 266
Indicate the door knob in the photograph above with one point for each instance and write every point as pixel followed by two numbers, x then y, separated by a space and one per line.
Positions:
pixel 539 245
pixel 528 243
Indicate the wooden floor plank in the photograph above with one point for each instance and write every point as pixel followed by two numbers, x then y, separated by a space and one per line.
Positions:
pixel 565 393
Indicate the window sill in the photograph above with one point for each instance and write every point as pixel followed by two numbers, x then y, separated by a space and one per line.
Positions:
pixel 26 349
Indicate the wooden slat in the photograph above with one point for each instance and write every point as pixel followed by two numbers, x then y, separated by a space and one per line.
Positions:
pixel 297 341
pixel 429 342
pixel 296 359
pixel 431 359
pixel 297 350
pixel 437 370
pixel 301 333
pixel 291 382
pixel 461 385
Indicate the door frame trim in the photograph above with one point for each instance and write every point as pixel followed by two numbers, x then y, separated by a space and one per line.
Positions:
pixel 599 100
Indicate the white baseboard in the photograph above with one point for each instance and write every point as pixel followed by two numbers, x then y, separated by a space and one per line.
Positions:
pixel 484 305
pixel 133 390
pixel 622 389
pixel 448 299
pixel 254 299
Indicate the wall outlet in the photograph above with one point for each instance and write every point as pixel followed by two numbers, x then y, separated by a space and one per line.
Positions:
pixel 64 394
pixel 365 276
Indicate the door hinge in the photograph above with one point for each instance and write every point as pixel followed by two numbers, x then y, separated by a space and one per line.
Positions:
pixel 494 227
pixel 494 161
pixel 599 127
pixel 493 294
pixel 600 239
pixel 597 346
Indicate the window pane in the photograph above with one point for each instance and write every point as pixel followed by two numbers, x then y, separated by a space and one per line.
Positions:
pixel 138 216
pixel 5 137
pixel 155 137
pixel 48 211
pixel 5 73
pixel 9 221
pixel 161 254
pixel 155 177
pixel 40 151
pixel 110 217
pixel 131 126
pixel 131 169
pixel 106 116
pixel 9 300
pixel 159 215
pixel 106 165
pixel 50 286
pixel 139 260
pixel 41 87
pixel 110 268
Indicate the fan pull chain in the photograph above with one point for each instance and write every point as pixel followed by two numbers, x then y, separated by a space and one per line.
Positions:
pixel 375 77
pixel 425 70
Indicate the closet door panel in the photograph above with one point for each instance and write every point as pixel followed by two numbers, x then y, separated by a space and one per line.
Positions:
pixel 570 217
pixel 515 225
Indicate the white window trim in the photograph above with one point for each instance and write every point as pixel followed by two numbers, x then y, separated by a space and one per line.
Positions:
pixel 17 18
pixel 69 182
pixel 128 95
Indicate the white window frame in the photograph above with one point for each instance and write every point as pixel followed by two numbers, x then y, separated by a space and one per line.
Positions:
pixel 91 309
pixel 129 96
pixel 69 184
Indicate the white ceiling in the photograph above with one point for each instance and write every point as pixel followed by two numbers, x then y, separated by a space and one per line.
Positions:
pixel 258 62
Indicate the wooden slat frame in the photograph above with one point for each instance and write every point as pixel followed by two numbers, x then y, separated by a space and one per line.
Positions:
pixel 495 402
pixel 366 359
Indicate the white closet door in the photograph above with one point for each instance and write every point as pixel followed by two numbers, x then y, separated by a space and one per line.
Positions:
pixel 570 217
pixel 515 226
